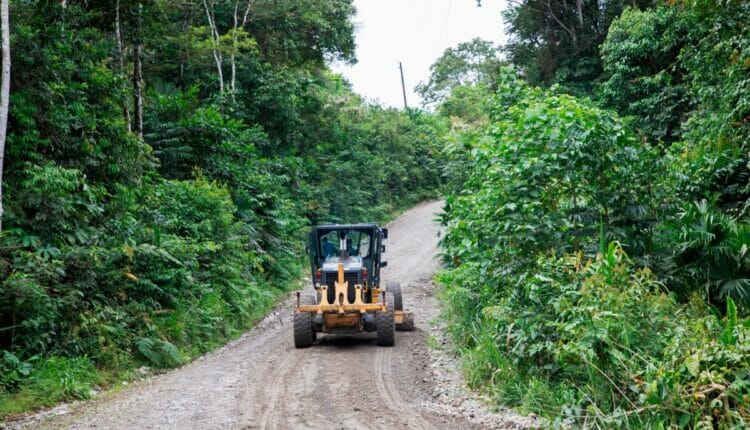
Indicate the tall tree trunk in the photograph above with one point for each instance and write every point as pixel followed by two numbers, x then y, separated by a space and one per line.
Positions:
pixel 233 85
pixel 216 44
pixel 4 91
pixel 138 73
pixel 121 64
pixel 570 30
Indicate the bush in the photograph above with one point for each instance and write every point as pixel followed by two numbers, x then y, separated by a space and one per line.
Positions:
pixel 550 172
pixel 600 343
pixel 548 310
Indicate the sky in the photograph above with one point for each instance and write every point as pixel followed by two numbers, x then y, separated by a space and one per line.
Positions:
pixel 415 32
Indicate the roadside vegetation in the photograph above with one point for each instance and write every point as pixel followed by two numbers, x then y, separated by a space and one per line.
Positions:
pixel 163 162
pixel 597 235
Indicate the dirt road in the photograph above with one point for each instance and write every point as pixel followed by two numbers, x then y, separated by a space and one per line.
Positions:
pixel 262 381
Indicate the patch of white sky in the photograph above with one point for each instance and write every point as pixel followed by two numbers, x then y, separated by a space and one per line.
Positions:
pixel 416 33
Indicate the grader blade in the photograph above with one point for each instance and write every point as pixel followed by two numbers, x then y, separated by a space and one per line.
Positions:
pixel 404 320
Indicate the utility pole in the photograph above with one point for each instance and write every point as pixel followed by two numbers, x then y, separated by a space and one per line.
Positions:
pixel 403 87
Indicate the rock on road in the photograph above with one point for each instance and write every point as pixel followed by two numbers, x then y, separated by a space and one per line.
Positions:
pixel 260 381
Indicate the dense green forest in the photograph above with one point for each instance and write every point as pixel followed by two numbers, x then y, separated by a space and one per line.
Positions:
pixel 598 217
pixel 163 162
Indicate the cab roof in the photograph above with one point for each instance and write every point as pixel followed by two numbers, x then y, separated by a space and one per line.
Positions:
pixel 359 226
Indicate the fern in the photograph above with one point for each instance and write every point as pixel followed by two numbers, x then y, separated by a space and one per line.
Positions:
pixel 158 352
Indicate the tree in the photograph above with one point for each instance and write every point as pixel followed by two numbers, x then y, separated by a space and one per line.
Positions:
pixel 215 43
pixel 4 91
pixel 237 31
pixel 557 41
pixel 469 63
pixel 643 76
pixel 121 61
pixel 138 71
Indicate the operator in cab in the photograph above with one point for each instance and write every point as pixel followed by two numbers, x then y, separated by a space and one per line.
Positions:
pixel 327 248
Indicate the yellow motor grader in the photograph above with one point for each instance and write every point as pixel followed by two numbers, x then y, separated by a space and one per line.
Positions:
pixel 345 260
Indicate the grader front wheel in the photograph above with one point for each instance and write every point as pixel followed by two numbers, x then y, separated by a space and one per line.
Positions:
pixel 304 333
pixel 385 323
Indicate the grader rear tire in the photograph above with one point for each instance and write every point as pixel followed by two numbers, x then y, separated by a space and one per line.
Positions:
pixel 395 288
pixel 385 323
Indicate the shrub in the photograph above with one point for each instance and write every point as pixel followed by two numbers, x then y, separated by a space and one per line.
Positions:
pixel 550 172
pixel 553 320
pixel 600 343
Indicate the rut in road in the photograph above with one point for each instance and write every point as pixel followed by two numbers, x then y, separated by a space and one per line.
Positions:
pixel 262 381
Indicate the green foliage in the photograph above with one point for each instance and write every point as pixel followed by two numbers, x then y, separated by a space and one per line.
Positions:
pixel 553 173
pixel 15 370
pixel 598 343
pixel 558 41
pixel 643 75
pixel 159 352
pixel 469 63
pixel 398 150
pixel 710 253
pixel 551 319
pixel 302 31
pixel 51 380
pixel 119 251
pixel 63 107
pixel 466 104
pixel 681 72
pixel 714 158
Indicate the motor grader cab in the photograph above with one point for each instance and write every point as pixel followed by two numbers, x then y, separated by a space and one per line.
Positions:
pixel 345 260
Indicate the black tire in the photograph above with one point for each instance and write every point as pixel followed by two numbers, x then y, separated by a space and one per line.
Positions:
pixel 395 288
pixel 304 334
pixel 309 299
pixel 385 323
pixel 303 331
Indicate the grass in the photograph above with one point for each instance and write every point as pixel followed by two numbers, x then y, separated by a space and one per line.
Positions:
pixel 53 380
pixel 434 343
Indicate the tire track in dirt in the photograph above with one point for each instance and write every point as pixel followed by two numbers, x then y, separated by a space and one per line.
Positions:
pixel 390 393
pixel 284 372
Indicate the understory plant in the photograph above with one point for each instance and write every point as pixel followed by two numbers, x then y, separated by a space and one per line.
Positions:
pixel 600 344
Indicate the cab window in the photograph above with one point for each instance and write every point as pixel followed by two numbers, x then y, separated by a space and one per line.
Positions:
pixel 358 243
